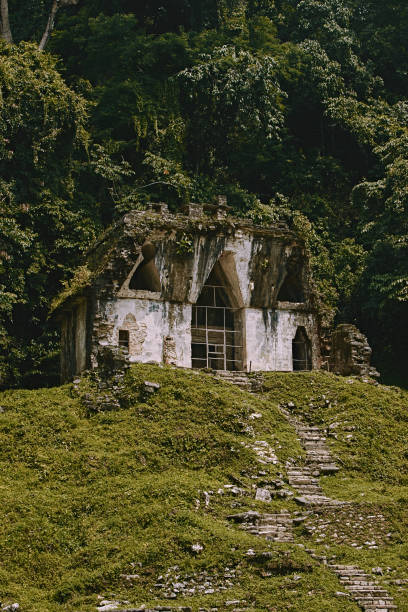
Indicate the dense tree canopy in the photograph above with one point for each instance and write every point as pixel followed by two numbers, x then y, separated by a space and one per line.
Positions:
pixel 295 109
pixel 42 224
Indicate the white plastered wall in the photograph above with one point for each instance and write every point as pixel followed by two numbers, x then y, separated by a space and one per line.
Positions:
pixel 153 323
pixel 149 322
pixel 269 335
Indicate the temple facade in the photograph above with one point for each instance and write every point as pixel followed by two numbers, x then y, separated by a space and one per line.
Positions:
pixel 197 289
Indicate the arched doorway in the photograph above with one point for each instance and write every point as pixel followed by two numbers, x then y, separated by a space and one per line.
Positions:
pixel 301 351
pixel 216 326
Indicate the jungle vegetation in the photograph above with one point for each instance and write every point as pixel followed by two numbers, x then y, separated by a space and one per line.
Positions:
pixel 297 110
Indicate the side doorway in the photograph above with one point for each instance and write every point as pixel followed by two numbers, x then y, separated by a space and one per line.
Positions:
pixel 301 351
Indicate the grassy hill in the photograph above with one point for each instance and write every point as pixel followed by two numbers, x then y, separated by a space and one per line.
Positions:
pixel 113 504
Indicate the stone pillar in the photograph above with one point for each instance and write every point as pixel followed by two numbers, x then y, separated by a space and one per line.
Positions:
pixel 350 352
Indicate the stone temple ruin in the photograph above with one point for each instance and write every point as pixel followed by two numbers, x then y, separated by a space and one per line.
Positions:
pixel 200 289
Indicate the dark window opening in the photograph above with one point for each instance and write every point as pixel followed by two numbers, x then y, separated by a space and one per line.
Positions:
pixel 216 327
pixel 301 351
pixel 124 339
pixel 146 276
pixel 291 290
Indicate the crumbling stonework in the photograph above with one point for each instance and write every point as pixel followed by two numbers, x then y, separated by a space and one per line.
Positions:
pixel 102 388
pixel 201 289
pixel 350 352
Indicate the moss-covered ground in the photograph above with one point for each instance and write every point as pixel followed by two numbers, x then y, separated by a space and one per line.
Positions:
pixel 86 498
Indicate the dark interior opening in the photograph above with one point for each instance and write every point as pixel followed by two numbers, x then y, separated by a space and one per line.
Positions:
pixel 124 339
pixel 301 351
pixel 146 276
pixel 291 290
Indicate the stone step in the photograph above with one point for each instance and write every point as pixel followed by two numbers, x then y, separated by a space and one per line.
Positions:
pixel 279 515
pixel 373 592
pixel 329 468
pixel 353 577
pixel 306 473
pixel 376 608
pixel 314 500
pixel 369 595
pixel 384 601
pixel 309 491
pixel 275 527
pixel 313 458
pixel 304 482
pixel 336 568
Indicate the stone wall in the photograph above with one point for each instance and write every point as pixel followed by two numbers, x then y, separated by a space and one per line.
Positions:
pixel 350 352
pixel 158 331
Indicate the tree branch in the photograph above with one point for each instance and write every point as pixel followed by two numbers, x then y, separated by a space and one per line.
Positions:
pixel 51 20
pixel 50 25
pixel 5 23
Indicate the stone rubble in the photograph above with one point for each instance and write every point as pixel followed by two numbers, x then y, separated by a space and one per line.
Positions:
pixel 172 584
pixel 358 527
pixel 264 452
pixel 105 388
pixel 274 527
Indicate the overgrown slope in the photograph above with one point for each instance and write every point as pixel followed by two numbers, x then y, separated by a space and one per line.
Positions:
pixel 86 499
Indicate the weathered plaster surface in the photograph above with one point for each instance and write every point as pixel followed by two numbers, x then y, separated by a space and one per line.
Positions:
pixel 149 323
pixel 269 336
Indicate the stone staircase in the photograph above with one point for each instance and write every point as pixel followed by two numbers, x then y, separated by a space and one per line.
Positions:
pixel 243 380
pixel 237 378
pixel 369 595
pixel 305 479
pixel 317 453
pixel 361 587
pixel 305 482
pixel 273 527
pixel 313 440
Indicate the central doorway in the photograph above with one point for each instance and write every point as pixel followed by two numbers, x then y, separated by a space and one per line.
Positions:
pixel 216 327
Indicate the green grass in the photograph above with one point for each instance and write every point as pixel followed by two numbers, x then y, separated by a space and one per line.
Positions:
pixel 88 498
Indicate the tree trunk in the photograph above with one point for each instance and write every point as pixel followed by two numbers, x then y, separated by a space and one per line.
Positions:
pixel 5 23
pixel 50 25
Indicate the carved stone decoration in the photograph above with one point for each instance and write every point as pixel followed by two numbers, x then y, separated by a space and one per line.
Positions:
pixel 137 334
pixel 169 351
pixel 350 352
